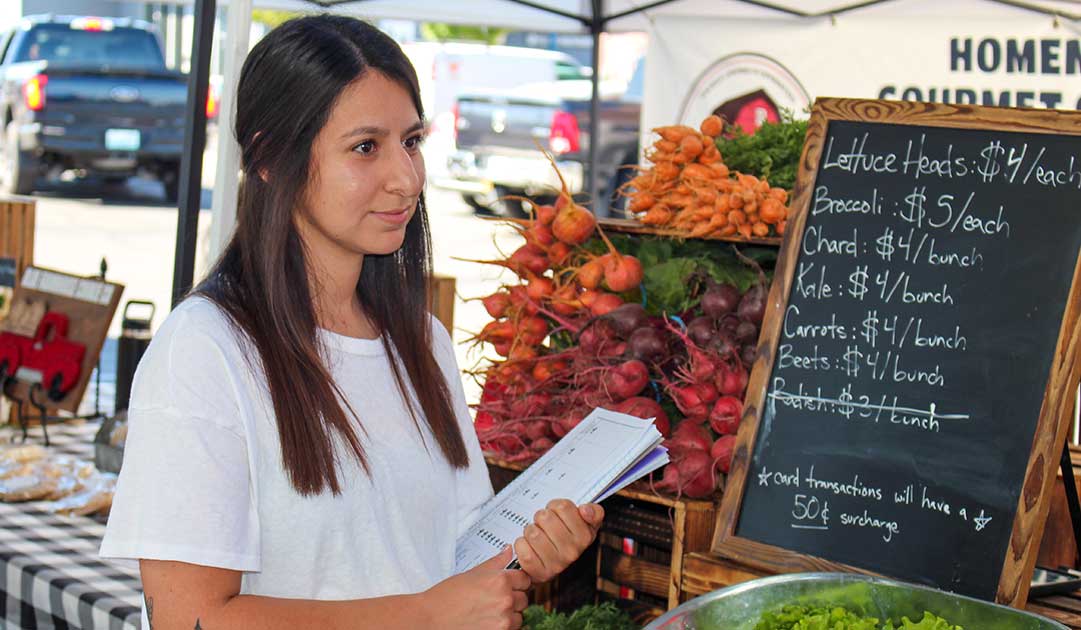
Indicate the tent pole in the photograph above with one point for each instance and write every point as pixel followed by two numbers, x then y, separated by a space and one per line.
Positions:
pixel 596 27
pixel 191 165
pixel 554 11
pixel 640 9
pixel 226 183
pixel 178 37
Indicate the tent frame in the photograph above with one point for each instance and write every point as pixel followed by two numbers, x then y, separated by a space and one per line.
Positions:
pixel 595 24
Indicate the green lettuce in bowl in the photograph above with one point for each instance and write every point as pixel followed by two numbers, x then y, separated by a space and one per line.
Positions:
pixel 840 618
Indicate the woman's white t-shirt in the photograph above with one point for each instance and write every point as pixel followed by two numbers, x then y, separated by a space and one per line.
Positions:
pixel 203 480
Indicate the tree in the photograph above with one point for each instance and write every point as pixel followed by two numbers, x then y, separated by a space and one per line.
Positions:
pixel 456 32
pixel 272 18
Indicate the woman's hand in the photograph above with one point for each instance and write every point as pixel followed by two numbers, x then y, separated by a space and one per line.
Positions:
pixel 486 597
pixel 557 536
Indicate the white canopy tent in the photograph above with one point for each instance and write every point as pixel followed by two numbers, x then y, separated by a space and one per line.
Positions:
pixel 617 15
pixel 588 16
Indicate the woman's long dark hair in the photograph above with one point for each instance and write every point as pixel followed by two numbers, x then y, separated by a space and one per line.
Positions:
pixel 288 85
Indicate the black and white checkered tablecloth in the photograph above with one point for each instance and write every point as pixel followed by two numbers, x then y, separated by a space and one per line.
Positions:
pixel 50 573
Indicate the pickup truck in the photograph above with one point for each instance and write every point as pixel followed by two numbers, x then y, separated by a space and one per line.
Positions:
pixel 498 133
pixel 91 95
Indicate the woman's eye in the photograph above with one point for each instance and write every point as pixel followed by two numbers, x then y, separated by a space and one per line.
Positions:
pixel 365 148
pixel 414 142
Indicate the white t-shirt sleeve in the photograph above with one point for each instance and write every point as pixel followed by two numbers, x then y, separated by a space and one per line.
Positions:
pixel 184 492
pixel 474 485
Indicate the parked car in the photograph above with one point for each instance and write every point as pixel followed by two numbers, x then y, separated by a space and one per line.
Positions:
pixel 89 94
pixel 498 133
pixel 447 70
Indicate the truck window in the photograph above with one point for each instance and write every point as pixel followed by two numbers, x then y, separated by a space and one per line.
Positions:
pixel 5 43
pixel 635 87
pixel 567 71
pixel 117 48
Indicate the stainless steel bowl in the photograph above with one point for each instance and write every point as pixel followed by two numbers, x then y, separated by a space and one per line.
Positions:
pixel 741 606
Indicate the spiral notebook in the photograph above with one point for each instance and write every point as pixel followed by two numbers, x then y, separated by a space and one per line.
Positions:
pixel 603 454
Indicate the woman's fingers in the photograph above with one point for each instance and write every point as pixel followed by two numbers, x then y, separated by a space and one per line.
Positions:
pixel 521 601
pixel 519 580
pixel 557 537
pixel 593 514
pixel 579 531
pixel 537 554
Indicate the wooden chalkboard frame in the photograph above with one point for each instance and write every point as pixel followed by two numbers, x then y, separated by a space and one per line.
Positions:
pixel 1056 411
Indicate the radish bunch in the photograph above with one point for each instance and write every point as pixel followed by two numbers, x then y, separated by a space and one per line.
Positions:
pixel 572 334
pixel 560 359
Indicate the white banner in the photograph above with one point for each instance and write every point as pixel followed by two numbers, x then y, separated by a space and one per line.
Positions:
pixel 750 69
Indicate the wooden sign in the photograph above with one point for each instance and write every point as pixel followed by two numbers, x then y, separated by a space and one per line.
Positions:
pixel 88 305
pixel 919 355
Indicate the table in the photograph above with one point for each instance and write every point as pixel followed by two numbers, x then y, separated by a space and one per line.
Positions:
pixel 50 573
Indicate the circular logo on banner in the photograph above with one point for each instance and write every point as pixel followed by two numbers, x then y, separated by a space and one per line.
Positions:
pixel 746 89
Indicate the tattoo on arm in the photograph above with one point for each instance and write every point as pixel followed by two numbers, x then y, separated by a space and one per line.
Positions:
pixel 149 611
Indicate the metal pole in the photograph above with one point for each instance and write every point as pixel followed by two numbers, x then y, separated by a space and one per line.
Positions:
pixel 103 268
pixel 178 37
pixel 596 26
pixel 223 205
pixel 191 167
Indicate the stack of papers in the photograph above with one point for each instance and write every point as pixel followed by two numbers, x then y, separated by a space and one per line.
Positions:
pixel 603 454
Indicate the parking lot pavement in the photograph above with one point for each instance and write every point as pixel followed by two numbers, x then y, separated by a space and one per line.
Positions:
pixel 135 231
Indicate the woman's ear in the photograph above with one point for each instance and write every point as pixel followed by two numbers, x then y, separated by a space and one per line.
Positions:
pixel 262 172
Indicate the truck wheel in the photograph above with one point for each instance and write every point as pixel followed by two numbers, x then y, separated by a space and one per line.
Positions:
pixel 616 202
pixel 622 199
pixel 509 207
pixel 19 168
pixel 476 203
pixel 114 186
pixel 494 204
pixel 170 179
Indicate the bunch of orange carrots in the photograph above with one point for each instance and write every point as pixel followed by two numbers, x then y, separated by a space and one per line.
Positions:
pixel 689 191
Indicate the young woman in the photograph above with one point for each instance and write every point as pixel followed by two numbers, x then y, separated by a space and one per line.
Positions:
pixel 300 453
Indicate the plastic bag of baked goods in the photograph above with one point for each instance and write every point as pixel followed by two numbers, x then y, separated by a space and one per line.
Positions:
pixel 31 486
pixel 95 497
pixel 52 477
pixel 66 465
pixel 72 476
pixel 21 453
pixel 17 461
pixel 66 486
pixel 119 435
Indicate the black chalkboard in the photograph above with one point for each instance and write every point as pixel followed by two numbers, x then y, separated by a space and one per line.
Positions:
pixel 927 292
pixel 8 270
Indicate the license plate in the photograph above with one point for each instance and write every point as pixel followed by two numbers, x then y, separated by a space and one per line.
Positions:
pixel 122 139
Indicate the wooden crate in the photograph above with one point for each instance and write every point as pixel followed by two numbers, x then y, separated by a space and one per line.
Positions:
pixel 17 216
pixel 704 572
pixel 646 581
pixel 1058 547
pixel 442 299
pixel 571 589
